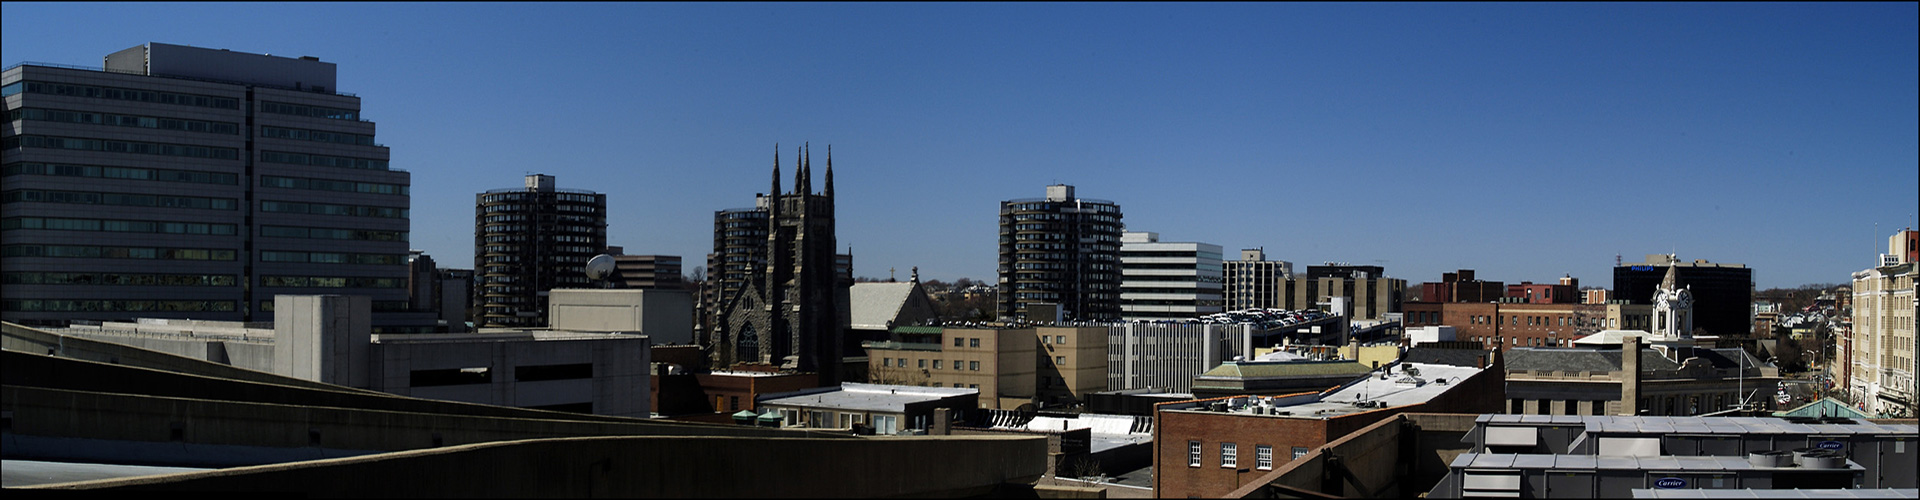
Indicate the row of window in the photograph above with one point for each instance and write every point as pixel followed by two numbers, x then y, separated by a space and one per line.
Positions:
pixel 327 233
pixel 134 173
pixel 114 252
pixel 117 305
pixel 322 160
pixel 93 118
pixel 146 148
pixel 118 120
pixel 289 207
pixel 535 196
pixel 332 258
pixel 332 185
pixel 132 279
pixel 378 306
pixel 118 199
pixel 505 218
pixel 115 93
pixel 332 282
pixel 937 364
pixel 521 228
pixel 1230 455
pixel 117 226
pixel 300 134
pixel 1077 206
pixel 282 108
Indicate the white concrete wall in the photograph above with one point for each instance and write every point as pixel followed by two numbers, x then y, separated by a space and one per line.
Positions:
pixel 665 316
pixel 323 338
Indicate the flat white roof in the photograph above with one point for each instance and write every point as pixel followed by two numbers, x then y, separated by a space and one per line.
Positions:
pixel 865 397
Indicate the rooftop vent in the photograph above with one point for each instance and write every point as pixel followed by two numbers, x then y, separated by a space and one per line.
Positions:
pixel 1822 459
pixel 1770 458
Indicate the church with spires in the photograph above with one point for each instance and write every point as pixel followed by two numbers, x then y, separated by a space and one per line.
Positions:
pixel 782 302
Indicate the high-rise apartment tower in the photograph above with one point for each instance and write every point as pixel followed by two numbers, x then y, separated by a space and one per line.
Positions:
pixel 531 240
pixel 1060 253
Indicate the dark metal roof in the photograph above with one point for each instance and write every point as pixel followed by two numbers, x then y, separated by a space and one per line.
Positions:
pixel 1470 358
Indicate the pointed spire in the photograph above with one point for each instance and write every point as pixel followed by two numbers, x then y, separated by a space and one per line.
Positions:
pixel 1670 282
pixel 776 171
pixel 799 169
pixel 806 164
pixel 829 192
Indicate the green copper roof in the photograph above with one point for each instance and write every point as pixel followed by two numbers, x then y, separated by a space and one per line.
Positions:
pixel 1825 407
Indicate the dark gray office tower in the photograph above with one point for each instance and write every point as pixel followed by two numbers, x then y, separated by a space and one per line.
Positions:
pixel 183 182
pixel 528 241
pixel 1060 253
pixel 1722 293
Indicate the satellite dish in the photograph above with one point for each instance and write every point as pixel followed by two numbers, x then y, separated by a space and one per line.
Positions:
pixel 600 267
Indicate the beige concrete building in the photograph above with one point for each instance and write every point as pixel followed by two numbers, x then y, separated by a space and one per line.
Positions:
pixel 1883 327
pixel 1012 367
pixel 999 363
pixel 1371 296
pixel 1073 363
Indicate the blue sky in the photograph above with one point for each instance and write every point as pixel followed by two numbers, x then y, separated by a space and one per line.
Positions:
pixel 1526 141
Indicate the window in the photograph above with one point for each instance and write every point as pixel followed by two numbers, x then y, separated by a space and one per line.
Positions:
pixel 1229 455
pixel 936 364
pixel 1059 360
pixel 1046 339
pixel 886 361
pixel 1263 457
pixel 973 386
pixel 957 342
pixel 973 342
pixel 1299 451
pixel 973 365
pixel 1060 339
pixel 923 363
pixel 1193 453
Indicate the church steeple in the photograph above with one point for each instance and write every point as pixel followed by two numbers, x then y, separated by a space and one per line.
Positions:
pixel 1669 282
pixel 799 170
pixel 829 192
pixel 806 165
pixel 775 192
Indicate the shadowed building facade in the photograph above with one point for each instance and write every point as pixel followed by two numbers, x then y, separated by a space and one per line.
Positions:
pixel 529 241
pixel 1725 291
pixel 789 308
pixel 187 182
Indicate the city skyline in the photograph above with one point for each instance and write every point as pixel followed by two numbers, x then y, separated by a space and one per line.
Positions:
pixel 1523 141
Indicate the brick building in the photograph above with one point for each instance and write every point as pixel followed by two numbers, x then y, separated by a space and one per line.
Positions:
pixel 1567 291
pixel 1461 286
pixel 1518 324
pixel 1210 447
